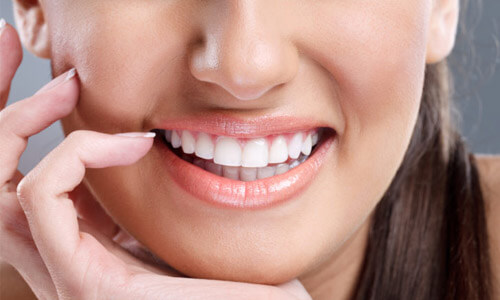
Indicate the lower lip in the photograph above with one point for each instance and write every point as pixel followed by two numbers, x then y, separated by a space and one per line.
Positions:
pixel 229 193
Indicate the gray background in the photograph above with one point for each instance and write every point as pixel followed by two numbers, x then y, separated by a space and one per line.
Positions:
pixel 474 60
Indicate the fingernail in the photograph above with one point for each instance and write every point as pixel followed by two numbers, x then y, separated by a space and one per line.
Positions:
pixel 2 24
pixel 137 134
pixel 58 80
pixel 71 74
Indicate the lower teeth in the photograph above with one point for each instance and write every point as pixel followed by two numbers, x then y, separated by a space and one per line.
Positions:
pixel 240 173
pixel 244 173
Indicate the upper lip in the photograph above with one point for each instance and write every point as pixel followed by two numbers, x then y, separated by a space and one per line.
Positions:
pixel 222 124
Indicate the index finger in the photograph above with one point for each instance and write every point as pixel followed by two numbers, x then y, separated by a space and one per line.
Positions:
pixel 27 117
pixel 11 55
pixel 43 193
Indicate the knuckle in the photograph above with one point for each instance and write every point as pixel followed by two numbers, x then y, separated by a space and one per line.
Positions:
pixel 7 114
pixel 77 135
pixel 22 188
pixel 13 115
pixel 79 140
pixel 25 190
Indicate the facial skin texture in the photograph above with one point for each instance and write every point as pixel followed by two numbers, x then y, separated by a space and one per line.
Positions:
pixel 357 65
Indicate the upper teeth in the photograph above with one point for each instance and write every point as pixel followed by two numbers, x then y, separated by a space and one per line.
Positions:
pixel 255 153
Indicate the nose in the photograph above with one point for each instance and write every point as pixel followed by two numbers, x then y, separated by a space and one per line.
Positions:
pixel 244 52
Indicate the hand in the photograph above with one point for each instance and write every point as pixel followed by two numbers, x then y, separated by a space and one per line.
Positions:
pixel 54 233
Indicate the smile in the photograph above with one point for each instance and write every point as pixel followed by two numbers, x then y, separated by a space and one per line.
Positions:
pixel 244 170
pixel 242 159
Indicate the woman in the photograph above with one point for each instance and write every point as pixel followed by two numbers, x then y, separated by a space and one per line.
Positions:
pixel 301 150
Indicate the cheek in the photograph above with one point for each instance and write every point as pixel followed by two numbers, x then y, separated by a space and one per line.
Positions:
pixel 382 95
pixel 119 56
pixel 376 56
pixel 377 59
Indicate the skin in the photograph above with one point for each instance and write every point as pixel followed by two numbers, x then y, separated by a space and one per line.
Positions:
pixel 334 61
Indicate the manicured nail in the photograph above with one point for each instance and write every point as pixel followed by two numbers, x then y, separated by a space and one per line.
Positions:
pixel 138 134
pixel 71 74
pixel 2 24
pixel 58 80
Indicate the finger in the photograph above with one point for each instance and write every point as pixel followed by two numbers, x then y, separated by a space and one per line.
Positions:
pixel 43 193
pixel 191 288
pixel 30 116
pixel 18 248
pixel 11 55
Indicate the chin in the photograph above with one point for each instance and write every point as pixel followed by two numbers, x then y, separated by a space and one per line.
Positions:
pixel 259 269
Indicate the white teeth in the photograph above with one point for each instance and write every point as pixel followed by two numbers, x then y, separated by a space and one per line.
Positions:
pixel 307 145
pixel 314 138
pixel 281 168
pixel 230 172
pixel 188 142
pixel 279 150
pixel 265 172
pixel 168 135
pixel 227 152
pixel 248 174
pixel 255 154
pixel 176 140
pixel 295 145
pixel 213 168
pixel 247 159
pixel 204 146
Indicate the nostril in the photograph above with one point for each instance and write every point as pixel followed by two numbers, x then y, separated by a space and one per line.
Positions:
pixel 245 66
pixel 242 84
pixel 246 94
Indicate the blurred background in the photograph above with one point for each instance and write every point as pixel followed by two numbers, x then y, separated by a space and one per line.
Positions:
pixel 475 63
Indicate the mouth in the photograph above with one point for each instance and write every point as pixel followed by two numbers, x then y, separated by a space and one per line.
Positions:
pixel 244 170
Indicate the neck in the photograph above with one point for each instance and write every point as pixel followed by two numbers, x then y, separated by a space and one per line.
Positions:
pixel 337 277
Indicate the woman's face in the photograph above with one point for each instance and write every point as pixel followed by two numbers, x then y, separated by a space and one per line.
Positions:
pixel 246 69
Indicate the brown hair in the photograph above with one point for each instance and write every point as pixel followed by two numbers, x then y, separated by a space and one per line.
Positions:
pixel 428 237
